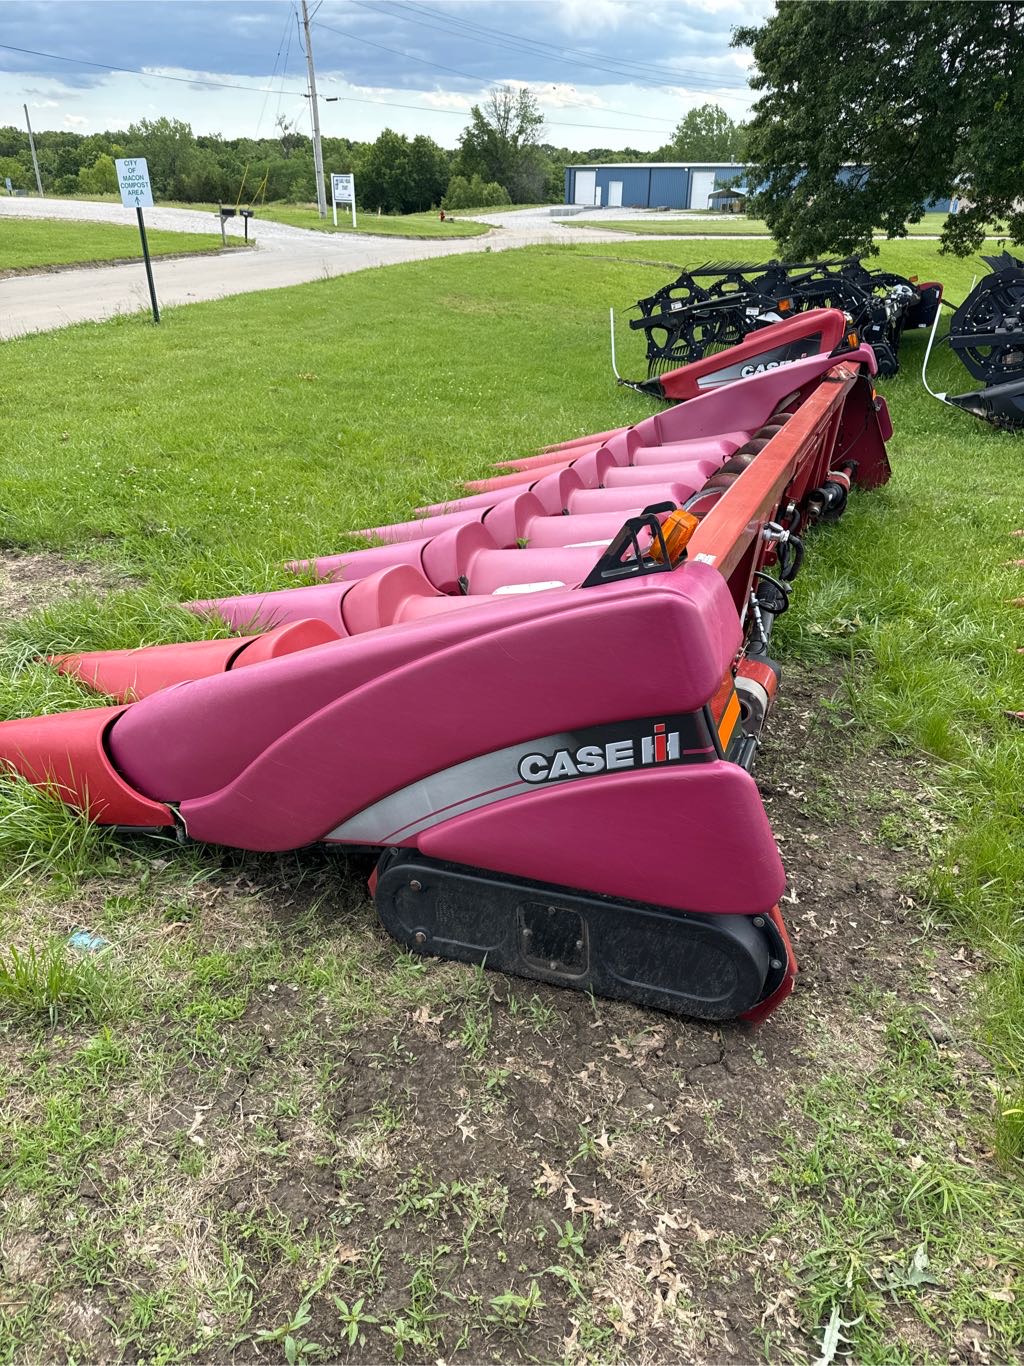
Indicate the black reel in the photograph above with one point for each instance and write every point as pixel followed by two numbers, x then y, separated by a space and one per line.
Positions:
pixel 987 330
pixel 708 309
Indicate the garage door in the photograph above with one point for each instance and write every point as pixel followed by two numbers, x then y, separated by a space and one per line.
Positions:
pixel 586 185
pixel 701 185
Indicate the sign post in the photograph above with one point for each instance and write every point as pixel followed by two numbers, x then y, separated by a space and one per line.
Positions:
pixel 343 191
pixel 137 194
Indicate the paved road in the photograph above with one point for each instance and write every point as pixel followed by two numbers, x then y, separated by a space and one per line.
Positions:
pixel 283 256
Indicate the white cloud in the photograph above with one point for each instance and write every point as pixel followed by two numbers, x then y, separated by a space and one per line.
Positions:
pixel 76 120
pixel 447 99
pixel 577 16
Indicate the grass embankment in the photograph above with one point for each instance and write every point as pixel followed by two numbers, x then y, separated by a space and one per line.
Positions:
pixel 28 243
pixel 414 225
pixel 379 225
pixel 252 1125
pixel 695 225
pixel 691 223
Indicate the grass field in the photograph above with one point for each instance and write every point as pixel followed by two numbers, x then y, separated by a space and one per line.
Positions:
pixel 731 225
pixel 685 225
pixel 386 225
pixel 414 225
pixel 29 243
pixel 251 1127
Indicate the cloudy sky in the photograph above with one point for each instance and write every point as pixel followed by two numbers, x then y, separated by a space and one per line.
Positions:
pixel 607 72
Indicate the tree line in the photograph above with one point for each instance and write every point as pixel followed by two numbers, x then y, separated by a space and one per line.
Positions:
pixel 500 158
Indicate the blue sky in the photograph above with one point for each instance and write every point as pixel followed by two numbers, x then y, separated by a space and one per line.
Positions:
pixel 606 72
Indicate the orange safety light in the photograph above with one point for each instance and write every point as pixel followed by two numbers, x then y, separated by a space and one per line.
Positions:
pixel 676 529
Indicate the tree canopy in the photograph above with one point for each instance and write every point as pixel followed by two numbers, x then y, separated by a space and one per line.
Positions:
pixel 871 110
pixel 397 175
pixel 706 133
pixel 501 143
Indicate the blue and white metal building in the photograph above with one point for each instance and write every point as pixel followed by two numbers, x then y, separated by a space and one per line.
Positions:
pixel 665 184
pixel 649 184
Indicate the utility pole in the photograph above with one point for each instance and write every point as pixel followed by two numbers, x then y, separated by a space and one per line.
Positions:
pixel 318 151
pixel 32 149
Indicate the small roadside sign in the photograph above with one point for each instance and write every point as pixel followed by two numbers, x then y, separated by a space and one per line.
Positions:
pixel 7 184
pixel 133 181
pixel 137 194
pixel 343 191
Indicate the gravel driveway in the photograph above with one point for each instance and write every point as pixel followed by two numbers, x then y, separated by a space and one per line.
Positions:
pixel 282 256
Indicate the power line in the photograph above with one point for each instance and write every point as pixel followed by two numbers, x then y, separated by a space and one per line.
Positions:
pixel 461 114
pixel 285 35
pixel 299 94
pixel 454 71
pixel 643 68
pixel 699 81
pixel 149 75
pixel 284 66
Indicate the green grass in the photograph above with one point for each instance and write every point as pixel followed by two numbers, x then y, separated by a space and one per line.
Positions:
pixel 414 225
pixel 862 1159
pixel 384 225
pixel 29 243
pixel 729 225
pixel 232 1143
pixel 691 224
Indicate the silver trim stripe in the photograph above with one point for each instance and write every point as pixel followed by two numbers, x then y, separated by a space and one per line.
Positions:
pixel 494 777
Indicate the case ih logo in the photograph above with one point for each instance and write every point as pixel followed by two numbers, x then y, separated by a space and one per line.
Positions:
pixel 660 748
pixel 760 368
pixel 759 365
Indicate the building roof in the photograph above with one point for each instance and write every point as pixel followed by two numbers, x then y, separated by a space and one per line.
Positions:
pixel 729 189
pixel 653 165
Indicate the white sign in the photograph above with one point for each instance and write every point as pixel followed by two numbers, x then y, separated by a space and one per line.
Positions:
pixel 343 191
pixel 133 180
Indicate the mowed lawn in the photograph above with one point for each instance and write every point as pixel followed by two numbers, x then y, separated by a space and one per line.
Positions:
pixel 415 225
pixel 683 225
pixel 427 224
pixel 694 224
pixel 29 243
pixel 251 1128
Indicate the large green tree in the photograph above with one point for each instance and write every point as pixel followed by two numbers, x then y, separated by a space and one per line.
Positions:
pixel 170 149
pixel 706 133
pixel 870 110
pixel 399 176
pixel 502 144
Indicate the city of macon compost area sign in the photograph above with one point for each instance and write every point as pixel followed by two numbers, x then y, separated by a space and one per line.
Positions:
pixel 133 181
pixel 137 194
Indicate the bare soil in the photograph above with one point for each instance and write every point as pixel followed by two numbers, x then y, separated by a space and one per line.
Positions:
pixel 656 1135
pixel 29 582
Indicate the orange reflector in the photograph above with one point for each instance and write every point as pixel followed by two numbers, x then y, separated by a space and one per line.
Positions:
pixel 785 305
pixel 852 340
pixel 913 279
pixel 728 722
pixel 677 528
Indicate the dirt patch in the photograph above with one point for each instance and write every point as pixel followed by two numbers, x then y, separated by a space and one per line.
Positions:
pixel 29 582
